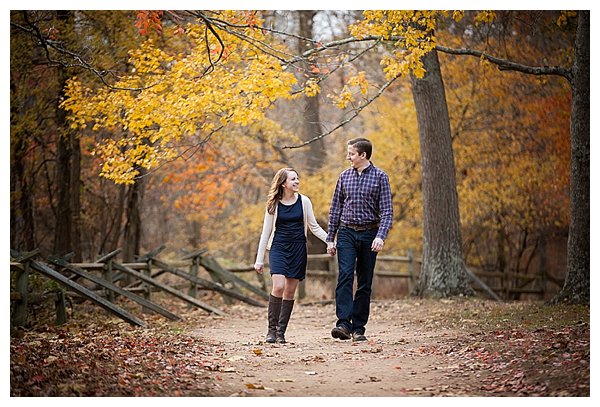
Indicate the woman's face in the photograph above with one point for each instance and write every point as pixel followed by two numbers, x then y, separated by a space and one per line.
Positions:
pixel 292 182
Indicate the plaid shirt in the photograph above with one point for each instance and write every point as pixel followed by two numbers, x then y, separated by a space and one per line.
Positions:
pixel 360 199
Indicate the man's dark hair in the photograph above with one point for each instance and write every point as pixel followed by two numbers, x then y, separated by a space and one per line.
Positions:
pixel 362 145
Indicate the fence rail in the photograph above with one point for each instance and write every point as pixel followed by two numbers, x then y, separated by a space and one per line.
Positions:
pixel 105 289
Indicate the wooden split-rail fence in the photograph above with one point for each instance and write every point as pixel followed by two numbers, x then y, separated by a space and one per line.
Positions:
pixel 496 285
pixel 144 275
pixel 226 282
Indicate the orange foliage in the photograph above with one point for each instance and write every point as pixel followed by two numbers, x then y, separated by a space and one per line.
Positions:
pixel 148 20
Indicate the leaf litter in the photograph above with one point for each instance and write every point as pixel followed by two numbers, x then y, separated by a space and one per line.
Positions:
pixel 457 347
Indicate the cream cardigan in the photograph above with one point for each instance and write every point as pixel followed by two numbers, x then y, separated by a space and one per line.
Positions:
pixel 268 230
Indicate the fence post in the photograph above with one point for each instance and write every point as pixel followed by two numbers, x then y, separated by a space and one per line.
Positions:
pixel 107 259
pixel 543 268
pixel 193 290
pixel 147 287
pixel 411 270
pixel 59 304
pixel 302 289
pixel 109 276
pixel 22 286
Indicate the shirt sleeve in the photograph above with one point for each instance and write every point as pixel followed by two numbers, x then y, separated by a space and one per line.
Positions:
pixel 335 211
pixel 386 210
pixel 264 238
pixel 314 226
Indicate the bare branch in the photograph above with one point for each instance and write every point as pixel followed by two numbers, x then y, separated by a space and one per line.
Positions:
pixel 321 78
pixel 355 113
pixel 47 44
pixel 209 26
pixel 192 150
pixel 506 65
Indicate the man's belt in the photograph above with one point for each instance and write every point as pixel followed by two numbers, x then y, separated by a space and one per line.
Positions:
pixel 360 228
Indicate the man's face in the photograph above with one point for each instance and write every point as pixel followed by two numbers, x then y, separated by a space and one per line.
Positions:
pixel 357 160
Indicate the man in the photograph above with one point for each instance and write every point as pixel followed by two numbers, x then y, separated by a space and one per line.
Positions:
pixel 361 215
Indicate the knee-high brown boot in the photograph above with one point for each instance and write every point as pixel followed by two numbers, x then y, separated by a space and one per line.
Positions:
pixel 273 318
pixel 284 318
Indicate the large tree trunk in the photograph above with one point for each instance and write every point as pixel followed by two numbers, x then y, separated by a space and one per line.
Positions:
pixel 62 228
pixel 67 232
pixel 577 283
pixel 311 123
pixel 443 272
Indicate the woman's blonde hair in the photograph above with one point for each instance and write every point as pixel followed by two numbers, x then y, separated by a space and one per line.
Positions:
pixel 276 189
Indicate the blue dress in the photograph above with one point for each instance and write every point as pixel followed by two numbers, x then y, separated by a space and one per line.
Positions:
pixel 288 254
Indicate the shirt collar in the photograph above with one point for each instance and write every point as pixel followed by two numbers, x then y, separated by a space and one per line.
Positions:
pixel 367 169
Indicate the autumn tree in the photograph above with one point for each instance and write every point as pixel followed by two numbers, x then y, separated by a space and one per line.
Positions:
pixel 49 47
pixel 576 71
pixel 577 283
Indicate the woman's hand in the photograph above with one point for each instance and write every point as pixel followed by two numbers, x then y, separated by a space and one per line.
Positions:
pixel 259 268
pixel 331 248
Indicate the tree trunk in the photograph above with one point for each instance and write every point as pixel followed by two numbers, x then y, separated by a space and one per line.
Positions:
pixel 67 232
pixel 311 123
pixel 76 190
pixel 577 283
pixel 133 225
pixel 62 228
pixel 195 238
pixel 21 197
pixel 443 272
pixel 116 222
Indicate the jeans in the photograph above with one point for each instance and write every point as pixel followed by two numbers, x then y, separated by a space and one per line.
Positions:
pixel 354 253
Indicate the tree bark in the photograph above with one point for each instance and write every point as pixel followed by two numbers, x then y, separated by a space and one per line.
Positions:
pixel 133 225
pixel 311 123
pixel 577 283
pixel 116 222
pixel 443 272
pixel 62 228
pixel 67 232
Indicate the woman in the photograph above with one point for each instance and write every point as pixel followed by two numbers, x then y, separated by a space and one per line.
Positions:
pixel 287 218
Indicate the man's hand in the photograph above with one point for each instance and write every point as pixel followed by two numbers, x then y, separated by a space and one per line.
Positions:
pixel 377 244
pixel 259 268
pixel 331 248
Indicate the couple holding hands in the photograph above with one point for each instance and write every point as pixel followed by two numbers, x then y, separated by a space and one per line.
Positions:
pixel 361 216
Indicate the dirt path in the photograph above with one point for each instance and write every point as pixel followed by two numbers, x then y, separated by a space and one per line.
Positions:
pixel 394 361
pixel 458 347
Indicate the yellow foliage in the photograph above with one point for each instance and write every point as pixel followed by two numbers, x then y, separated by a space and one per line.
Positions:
pixel 177 95
pixel 312 88
pixel 485 17
pixel 564 17
pixel 412 32
pixel 458 15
